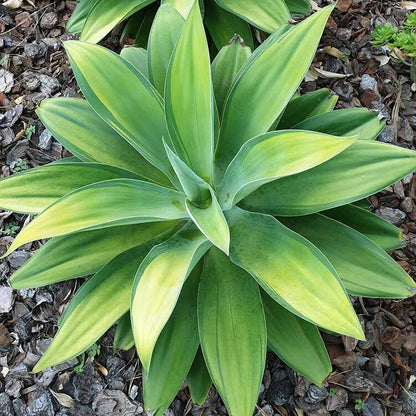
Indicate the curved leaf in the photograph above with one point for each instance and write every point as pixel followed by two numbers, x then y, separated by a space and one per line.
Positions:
pixel 266 15
pixel 378 230
pixel 158 285
pixel 84 253
pixel 138 58
pixel 232 331
pixel 189 105
pixel 266 83
pixel 364 268
pixel 174 351
pixel 123 338
pixel 306 106
pixel 76 126
pixel 301 7
pixel 223 25
pixel 165 32
pixel 79 16
pixel 182 6
pixel 348 122
pixel 199 381
pixel 363 169
pixel 96 306
pixel 131 106
pixel 34 190
pixel 276 155
pixel 226 66
pixel 292 271
pixel 93 207
pixel 106 14
pixel 297 342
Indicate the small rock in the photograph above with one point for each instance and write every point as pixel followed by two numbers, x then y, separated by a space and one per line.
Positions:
pixel 337 401
pixel 87 384
pixel 407 204
pixel 41 406
pixel 18 258
pixel 45 140
pixel 316 394
pixel 368 83
pixel 6 299
pixel 392 215
pixel 346 412
pixel 35 50
pixel 49 20
pixel 23 19
pixel 48 85
pixel 17 152
pixel 344 90
pixel 343 5
pixel 13 387
pixel 6 408
pixel 6 81
pixel 372 408
pixel 388 135
pixel 113 402
pixel 409 399
pixel 398 189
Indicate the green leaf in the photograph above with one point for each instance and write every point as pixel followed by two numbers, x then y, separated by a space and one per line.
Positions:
pixel 226 66
pixel 306 106
pixel 301 7
pixel 99 303
pixel 199 381
pixel 364 268
pixel 77 127
pixel 84 253
pixel 232 331
pixel 380 231
pixel 266 15
pixel 352 121
pixel 123 338
pixel 363 169
pixel 223 25
pixel 138 58
pixel 267 82
pixel 292 271
pixel 189 105
pixel 158 284
pixel 165 32
pixel 202 205
pixel 106 14
pixel 276 155
pixel 142 35
pixel 174 351
pixel 79 16
pixel 131 106
pixel 93 207
pixel 182 6
pixel 297 342
pixel 211 222
pixel 195 188
pixel 34 190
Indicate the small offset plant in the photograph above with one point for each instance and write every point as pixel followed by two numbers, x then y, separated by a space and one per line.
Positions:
pixel 94 19
pixel 215 211
pixel 401 43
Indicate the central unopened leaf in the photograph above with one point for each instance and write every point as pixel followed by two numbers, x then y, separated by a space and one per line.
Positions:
pixel 189 102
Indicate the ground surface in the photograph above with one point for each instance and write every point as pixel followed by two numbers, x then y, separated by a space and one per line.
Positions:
pixel 373 378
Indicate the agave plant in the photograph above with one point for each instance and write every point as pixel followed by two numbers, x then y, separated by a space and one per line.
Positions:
pixel 210 234
pixel 96 18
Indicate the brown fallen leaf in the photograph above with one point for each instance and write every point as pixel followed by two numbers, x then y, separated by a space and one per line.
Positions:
pixel 63 399
pixel 409 5
pixel 5 337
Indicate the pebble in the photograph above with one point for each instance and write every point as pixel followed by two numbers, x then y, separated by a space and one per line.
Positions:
pixel 6 408
pixel 49 20
pixel 368 83
pixel 6 80
pixel 407 204
pixel 6 299
pixel 45 140
pixel 48 85
pixel 372 408
pixel 18 258
pixel 392 215
pixel 387 135
pixel 41 406
pixel 35 50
